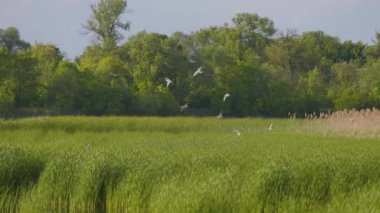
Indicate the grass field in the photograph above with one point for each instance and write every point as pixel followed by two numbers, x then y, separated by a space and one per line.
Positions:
pixel 131 164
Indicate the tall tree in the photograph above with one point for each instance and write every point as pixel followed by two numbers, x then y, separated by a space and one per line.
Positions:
pixel 23 76
pixel 6 85
pixel 47 57
pixel 106 20
pixel 254 31
pixel 149 64
pixel 287 56
pixel 372 52
pixel 18 74
pixel 10 40
pixel 344 89
pixel 64 87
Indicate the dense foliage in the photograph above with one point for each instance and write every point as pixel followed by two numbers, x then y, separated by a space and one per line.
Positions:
pixel 266 72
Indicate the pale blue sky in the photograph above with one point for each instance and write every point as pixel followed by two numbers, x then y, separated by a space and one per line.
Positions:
pixel 59 21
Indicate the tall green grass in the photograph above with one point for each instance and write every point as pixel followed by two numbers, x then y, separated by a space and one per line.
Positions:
pixel 131 164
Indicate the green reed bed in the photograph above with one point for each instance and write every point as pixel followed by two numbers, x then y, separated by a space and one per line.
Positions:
pixel 131 164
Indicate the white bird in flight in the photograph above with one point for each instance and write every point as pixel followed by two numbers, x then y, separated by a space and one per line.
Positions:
pixel 114 74
pixel 270 127
pixel 168 82
pixel 183 107
pixel 237 132
pixel 199 71
pixel 226 96
pixel 220 115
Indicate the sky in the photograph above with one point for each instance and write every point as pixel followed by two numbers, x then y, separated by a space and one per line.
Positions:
pixel 60 22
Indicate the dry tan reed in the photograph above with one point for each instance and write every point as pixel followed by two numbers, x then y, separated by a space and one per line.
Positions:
pixel 363 123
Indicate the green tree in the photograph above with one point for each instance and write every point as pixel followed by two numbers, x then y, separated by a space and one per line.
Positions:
pixel 19 84
pixel 18 81
pixel 4 63
pixel 350 51
pixel 6 84
pixel 105 86
pixel 10 40
pixel 231 67
pixel 322 51
pixel 254 31
pixel 64 88
pixel 369 85
pixel 287 57
pixel 150 63
pixel 217 62
pixel 112 77
pixel 312 92
pixel 343 89
pixel 372 52
pixel 47 58
pixel 90 58
pixel 106 20
pixel 178 63
pixel 148 54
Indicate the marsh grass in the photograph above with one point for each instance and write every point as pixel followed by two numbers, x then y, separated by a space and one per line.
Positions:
pixel 131 164
pixel 352 123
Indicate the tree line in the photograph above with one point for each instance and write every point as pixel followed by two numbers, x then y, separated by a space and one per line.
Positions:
pixel 267 72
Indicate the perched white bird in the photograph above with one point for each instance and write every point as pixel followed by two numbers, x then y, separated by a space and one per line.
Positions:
pixel 199 71
pixel 192 61
pixel 220 115
pixel 226 96
pixel 168 82
pixel 114 74
pixel 270 127
pixel 183 107
pixel 237 132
